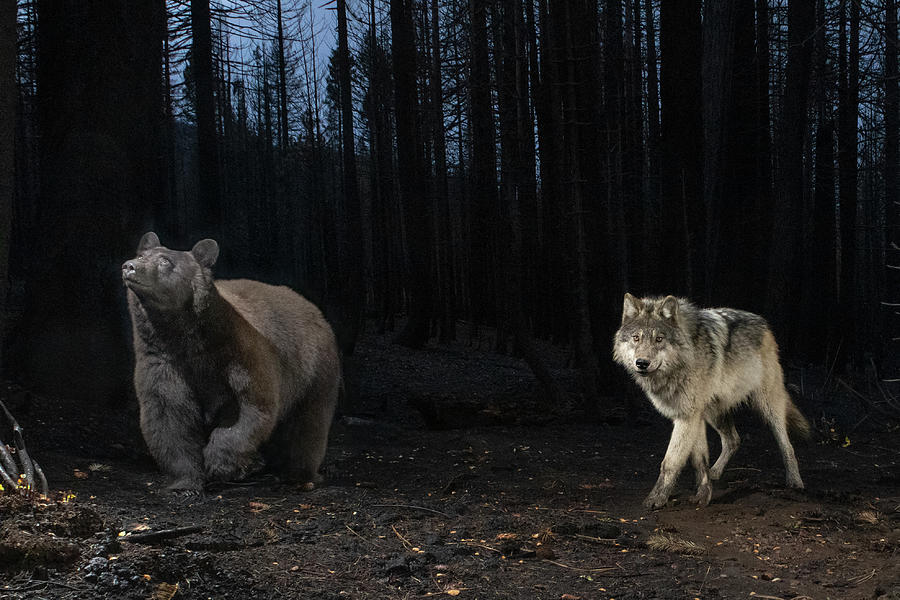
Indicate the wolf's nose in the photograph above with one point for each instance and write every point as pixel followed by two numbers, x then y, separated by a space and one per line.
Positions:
pixel 642 364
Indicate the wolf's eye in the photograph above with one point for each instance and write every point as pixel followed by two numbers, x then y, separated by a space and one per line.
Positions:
pixel 659 339
pixel 636 337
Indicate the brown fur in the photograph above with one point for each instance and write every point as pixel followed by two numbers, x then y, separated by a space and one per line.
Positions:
pixel 225 370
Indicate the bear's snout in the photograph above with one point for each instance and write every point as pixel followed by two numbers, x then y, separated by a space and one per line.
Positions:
pixel 130 273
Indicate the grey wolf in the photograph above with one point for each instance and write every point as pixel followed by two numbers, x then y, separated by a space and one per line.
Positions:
pixel 696 365
pixel 227 371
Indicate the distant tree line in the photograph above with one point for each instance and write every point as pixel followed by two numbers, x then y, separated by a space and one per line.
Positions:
pixel 466 165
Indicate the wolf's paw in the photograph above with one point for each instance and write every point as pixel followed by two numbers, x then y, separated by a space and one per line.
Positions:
pixel 703 495
pixel 795 483
pixel 655 499
pixel 715 473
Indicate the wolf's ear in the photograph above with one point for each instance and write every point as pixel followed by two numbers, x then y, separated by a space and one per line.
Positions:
pixel 206 252
pixel 631 308
pixel 149 240
pixel 669 308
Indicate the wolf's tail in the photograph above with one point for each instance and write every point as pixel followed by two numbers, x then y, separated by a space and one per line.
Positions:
pixel 797 423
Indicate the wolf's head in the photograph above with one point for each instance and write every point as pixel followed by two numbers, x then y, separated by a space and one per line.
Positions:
pixel 650 336
pixel 170 280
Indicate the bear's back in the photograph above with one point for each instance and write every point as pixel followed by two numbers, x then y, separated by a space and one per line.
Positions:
pixel 293 324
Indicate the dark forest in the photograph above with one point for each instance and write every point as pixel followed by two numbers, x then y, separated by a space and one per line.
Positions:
pixel 476 178
pixel 459 166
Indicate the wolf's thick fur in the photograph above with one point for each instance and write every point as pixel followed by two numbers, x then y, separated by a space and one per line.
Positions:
pixel 226 369
pixel 696 365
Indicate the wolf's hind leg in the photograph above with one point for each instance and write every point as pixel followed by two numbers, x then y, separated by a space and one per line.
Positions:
pixel 723 423
pixel 773 404
pixel 700 460
pixel 684 437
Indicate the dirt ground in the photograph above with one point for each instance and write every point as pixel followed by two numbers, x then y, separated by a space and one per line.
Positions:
pixel 446 477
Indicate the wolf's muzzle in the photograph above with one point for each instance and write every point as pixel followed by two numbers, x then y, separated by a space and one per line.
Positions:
pixel 642 364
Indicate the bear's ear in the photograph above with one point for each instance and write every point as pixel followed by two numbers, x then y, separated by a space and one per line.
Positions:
pixel 206 252
pixel 150 240
pixel 631 308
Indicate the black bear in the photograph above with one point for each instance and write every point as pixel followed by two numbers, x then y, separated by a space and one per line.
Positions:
pixel 227 370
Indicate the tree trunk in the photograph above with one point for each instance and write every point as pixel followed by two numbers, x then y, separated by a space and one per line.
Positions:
pixel 784 276
pixel 635 201
pixel 820 279
pixel 443 241
pixel 377 109
pixel 101 149
pixel 484 174
pixel 764 204
pixel 652 270
pixel 735 225
pixel 683 223
pixel 515 126
pixel 283 132
pixel 583 329
pixel 890 169
pixel 351 297
pixel 548 108
pixel 718 53
pixel 409 162
pixel 614 253
pixel 209 221
pixel 848 112
pixel 8 91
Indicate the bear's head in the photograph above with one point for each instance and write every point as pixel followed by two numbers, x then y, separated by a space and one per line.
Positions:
pixel 171 280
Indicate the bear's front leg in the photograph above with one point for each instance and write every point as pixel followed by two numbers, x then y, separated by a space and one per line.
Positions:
pixel 230 451
pixel 172 425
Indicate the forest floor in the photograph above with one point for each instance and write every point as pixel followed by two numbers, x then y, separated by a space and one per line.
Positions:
pixel 446 477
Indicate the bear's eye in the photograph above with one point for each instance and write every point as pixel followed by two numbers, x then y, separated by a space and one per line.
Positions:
pixel 164 261
pixel 635 337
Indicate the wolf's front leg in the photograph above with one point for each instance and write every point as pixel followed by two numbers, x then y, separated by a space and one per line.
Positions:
pixel 682 442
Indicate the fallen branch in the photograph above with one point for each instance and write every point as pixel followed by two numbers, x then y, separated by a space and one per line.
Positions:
pixel 431 510
pixel 867 401
pixel 18 471
pixel 162 534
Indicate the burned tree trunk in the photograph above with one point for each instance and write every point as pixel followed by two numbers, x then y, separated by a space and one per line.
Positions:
pixel 784 272
pixel 443 229
pixel 410 164
pixel 351 294
pixel 517 190
pixel 209 191
pixel 848 113
pixel 101 149
pixel 8 90
pixel 484 172
pixel 682 215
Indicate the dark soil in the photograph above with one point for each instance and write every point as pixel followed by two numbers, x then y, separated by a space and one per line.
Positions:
pixel 446 477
